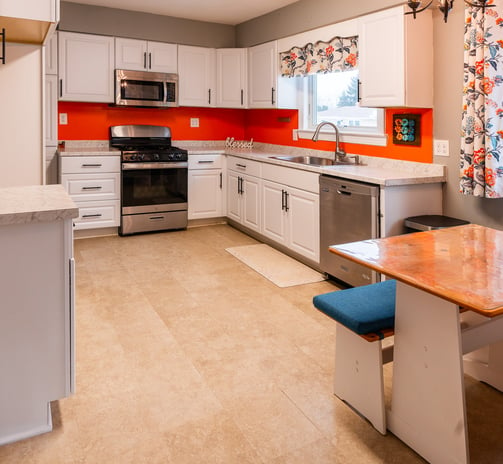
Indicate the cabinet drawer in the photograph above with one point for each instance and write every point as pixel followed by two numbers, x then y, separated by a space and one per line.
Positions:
pixel 89 164
pixel 298 178
pixel 209 161
pixel 82 187
pixel 96 214
pixel 246 166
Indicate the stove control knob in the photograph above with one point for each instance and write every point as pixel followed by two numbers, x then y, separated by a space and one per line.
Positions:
pixel 156 157
pixel 133 157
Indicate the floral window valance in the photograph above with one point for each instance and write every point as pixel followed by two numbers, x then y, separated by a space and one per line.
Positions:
pixel 339 54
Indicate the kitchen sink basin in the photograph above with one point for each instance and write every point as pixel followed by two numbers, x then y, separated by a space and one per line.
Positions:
pixel 312 160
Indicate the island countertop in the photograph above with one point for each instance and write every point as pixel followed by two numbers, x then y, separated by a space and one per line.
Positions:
pixel 37 203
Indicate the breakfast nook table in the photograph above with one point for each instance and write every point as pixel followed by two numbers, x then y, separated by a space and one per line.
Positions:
pixel 449 305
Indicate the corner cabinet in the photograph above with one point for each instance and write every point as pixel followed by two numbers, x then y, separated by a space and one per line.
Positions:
pixel 290 209
pixel 396 59
pixel 266 89
pixel 140 55
pixel 196 76
pixel 86 67
pixel 232 78
pixel 244 192
pixel 206 186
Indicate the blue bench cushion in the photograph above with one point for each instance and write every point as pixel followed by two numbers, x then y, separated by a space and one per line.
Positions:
pixel 370 308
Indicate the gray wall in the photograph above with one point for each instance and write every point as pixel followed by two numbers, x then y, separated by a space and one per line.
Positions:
pixel 302 16
pixel 77 17
pixel 448 77
pixel 448 40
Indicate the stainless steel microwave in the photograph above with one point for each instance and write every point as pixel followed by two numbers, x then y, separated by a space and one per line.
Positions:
pixel 142 88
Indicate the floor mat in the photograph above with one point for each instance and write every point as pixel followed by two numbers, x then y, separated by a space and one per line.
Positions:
pixel 280 269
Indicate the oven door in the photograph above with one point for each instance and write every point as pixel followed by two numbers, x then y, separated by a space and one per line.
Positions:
pixel 153 187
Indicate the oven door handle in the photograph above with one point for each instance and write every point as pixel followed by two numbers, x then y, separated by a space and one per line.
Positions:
pixel 140 166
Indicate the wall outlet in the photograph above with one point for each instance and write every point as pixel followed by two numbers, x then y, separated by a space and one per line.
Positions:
pixel 63 118
pixel 441 147
pixel 194 122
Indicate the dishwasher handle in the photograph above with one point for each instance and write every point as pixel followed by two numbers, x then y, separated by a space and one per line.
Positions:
pixel 344 192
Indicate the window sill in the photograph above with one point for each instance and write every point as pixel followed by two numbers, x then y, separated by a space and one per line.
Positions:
pixel 360 138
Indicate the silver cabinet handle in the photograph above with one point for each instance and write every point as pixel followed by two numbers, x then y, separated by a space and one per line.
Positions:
pixel 98 187
pixel 221 181
pixel 88 216
pixel 156 218
pixel 286 201
pixel 91 165
pixel 242 97
pixel 209 96
pixel 272 95
pixel 241 166
pixel 206 161
pixel 150 61
pixel 145 60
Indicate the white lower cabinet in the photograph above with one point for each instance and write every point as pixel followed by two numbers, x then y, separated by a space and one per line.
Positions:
pixel 37 330
pixel 93 182
pixel 205 186
pixel 244 192
pixel 291 218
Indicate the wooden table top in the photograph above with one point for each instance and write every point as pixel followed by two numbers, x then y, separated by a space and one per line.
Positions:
pixel 461 264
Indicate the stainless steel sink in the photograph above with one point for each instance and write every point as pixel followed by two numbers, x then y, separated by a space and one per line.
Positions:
pixel 313 160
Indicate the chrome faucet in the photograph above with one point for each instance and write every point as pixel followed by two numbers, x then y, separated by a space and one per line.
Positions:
pixel 339 154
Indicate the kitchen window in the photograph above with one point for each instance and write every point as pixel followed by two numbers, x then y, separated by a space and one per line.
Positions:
pixel 333 97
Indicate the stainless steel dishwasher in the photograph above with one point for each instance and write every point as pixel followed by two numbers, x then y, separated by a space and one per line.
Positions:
pixel 349 211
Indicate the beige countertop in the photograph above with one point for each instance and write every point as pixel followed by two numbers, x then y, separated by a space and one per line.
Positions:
pixel 380 171
pixel 37 203
pixel 87 148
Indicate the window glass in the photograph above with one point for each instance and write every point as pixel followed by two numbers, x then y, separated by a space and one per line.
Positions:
pixel 334 98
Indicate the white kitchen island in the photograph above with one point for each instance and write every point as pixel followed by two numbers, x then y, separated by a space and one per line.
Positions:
pixel 36 310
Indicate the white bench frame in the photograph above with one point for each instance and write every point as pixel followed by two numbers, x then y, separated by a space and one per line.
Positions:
pixel 359 379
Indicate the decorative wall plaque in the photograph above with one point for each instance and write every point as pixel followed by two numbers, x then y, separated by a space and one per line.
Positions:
pixel 407 129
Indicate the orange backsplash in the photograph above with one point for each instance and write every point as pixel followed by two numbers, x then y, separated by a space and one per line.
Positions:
pixel 91 121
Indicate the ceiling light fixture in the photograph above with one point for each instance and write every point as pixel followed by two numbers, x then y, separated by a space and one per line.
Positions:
pixel 443 5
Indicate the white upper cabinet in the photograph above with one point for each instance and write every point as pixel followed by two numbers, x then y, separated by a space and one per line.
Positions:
pixel 262 75
pixel 29 21
pixel 86 64
pixel 266 89
pixel 197 76
pixel 51 55
pixel 396 59
pixel 51 110
pixel 140 55
pixel 38 10
pixel 232 79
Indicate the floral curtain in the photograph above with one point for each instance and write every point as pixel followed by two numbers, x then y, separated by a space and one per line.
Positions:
pixel 339 54
pixel 482 119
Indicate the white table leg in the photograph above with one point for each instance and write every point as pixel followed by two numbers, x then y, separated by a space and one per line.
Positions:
pixel 428 402
pixel 486 365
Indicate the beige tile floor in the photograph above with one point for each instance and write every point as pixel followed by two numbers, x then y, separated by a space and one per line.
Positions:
pixel 187 356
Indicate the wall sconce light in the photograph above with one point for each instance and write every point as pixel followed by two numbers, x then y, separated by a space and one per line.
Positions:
pixel 443 5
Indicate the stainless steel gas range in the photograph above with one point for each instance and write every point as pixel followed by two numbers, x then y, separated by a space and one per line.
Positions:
pixel 153 179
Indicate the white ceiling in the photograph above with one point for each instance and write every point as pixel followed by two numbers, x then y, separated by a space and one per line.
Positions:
pixel 216 11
